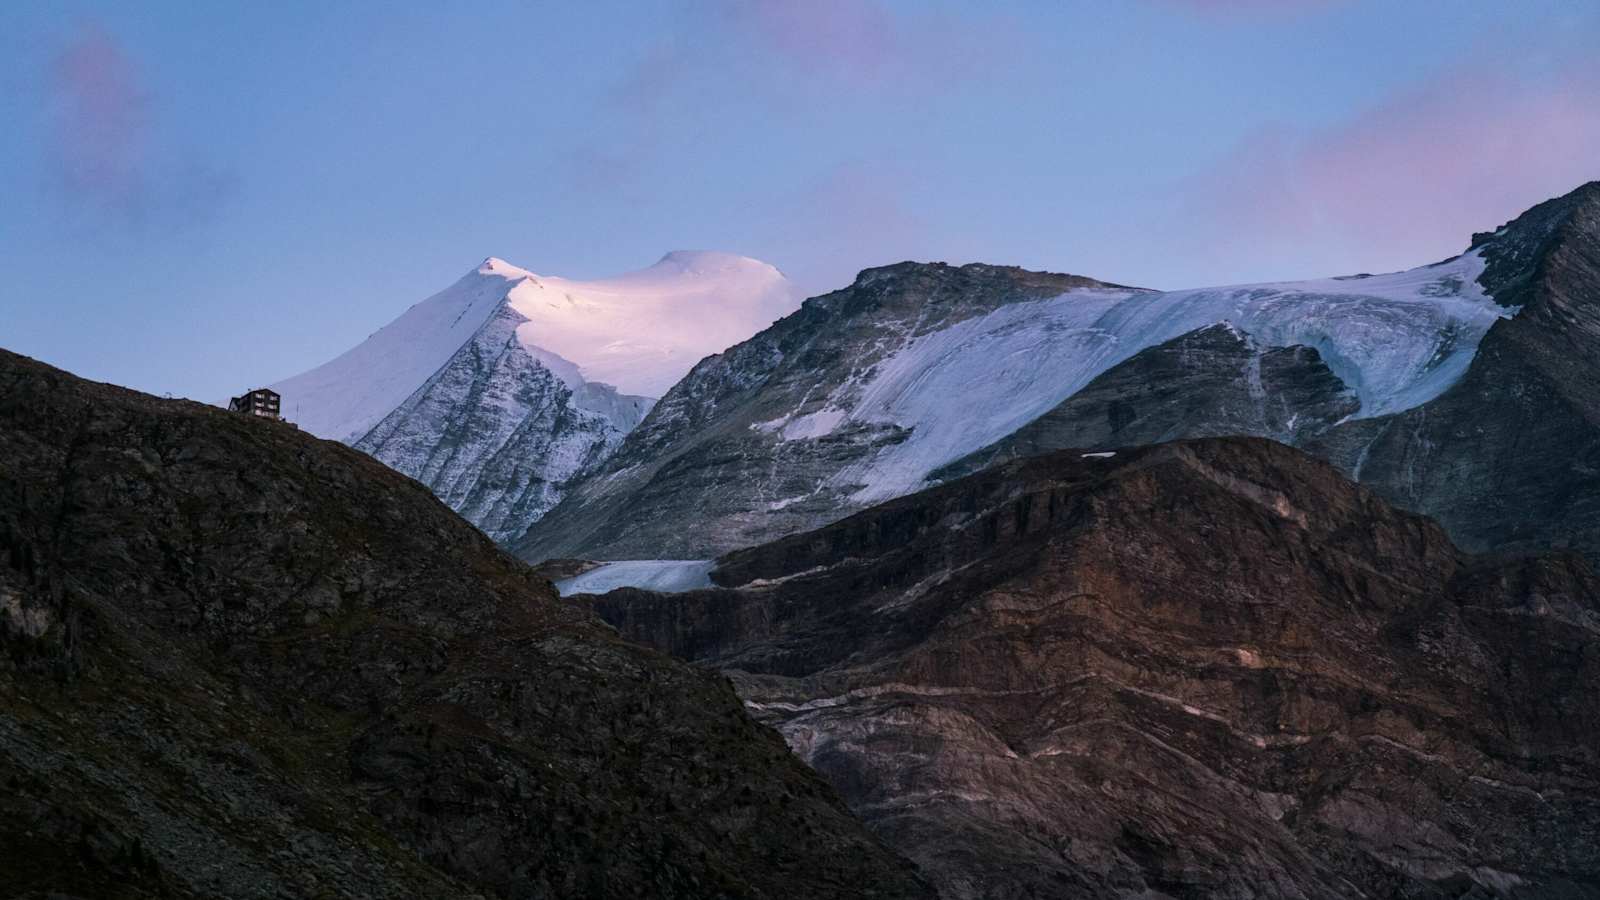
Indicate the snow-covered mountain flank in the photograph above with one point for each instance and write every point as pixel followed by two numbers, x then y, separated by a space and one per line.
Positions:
pixel 499 389
pixel 902 378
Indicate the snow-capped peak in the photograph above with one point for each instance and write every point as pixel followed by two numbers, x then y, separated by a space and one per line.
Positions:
pixel 638 332
pixel 642 331
pixel 494 265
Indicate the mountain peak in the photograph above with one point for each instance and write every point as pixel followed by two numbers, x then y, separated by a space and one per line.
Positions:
pixel 1513 251
pixel 494 265
pixel 1026 280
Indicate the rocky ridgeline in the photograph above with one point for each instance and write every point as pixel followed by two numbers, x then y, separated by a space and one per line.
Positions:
pixel 240 661
pixel 497 433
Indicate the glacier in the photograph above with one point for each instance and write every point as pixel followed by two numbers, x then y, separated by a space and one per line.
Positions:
pixel 1397 340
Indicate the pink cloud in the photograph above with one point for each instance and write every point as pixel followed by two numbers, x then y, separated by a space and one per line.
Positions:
pixel 850 216
pixel 1410 180
pixel 861 38
pixel 102 119
pixel 105 154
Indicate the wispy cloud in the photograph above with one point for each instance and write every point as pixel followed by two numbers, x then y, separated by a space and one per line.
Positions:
pixel 1410 179
pixel 104 154
pixel 792 54
pixel 868 44
pixel 851 216
pixel 102 120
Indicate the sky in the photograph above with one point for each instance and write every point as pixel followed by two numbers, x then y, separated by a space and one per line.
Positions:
pixel 199 198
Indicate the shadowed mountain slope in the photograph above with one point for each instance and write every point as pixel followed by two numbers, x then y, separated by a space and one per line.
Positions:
pixel 241 661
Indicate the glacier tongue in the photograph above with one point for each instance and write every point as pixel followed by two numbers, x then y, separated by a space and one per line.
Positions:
pixel 1398 340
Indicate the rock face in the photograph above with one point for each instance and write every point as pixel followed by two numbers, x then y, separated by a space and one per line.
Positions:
pixel 498 432
pixel 1211 668
pixel 1509 458
pixel 868 392
pixel 240 661
pixel 1212 382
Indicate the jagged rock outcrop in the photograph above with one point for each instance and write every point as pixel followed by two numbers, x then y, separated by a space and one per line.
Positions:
pixel 240 661
pixel 500 430
pixel 1210 668
pixel 1212 382
pixel 1509 457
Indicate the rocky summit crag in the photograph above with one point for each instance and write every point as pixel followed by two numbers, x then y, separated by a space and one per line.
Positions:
pixel 240 661
pixel 1509 457
pixel 1210 668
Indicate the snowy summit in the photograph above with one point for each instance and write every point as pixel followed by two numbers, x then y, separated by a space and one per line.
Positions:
pixel 642 331
pixel 500 389
pixel 639 333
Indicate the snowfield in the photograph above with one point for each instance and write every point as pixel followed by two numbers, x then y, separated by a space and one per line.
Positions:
pixel 643 331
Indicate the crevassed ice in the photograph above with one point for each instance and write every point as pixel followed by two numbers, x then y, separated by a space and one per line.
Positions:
pixel 1397 340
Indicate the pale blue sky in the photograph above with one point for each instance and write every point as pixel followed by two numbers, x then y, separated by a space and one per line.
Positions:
pixel 196 198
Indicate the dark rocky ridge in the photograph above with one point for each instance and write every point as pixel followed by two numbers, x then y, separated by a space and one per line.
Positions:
pixel 1209 383
pixel 1211 668
pixel 239 661
pixel 682 480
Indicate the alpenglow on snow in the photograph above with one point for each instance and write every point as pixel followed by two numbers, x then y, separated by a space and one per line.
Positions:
pixel 497 390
